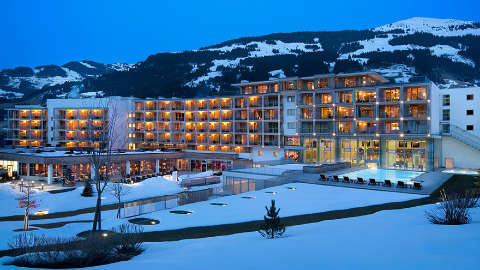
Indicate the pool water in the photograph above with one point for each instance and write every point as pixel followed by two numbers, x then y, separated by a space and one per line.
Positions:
pixel 382 174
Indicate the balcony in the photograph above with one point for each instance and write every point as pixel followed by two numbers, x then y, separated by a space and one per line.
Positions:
pixel 240 103
pixel 201 140
pixel 270 142
pixel 213 129
pixel 255 142
pixel 306 130
pixel 226 103
pixel 366 130
pixel 227 142
pixel 214 106
pixel 270 130
pixel 389 114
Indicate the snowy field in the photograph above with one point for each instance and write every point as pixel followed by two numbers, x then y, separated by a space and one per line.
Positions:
pixel 72 200
pixel 305 199
pixel 396 239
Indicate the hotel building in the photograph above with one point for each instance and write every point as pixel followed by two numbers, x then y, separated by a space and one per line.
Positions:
pixel 359 118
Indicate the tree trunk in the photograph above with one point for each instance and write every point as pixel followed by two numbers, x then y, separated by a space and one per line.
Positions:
pixel 96 217
pixel 118 208
pixel 25 220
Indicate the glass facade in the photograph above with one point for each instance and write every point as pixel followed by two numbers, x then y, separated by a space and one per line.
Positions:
pixel 405 154
pixel 392 154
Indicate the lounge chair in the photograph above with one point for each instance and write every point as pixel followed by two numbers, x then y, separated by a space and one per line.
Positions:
pixel 401 184
pixel 387 183
pixel 323 177
pixel 335 178
pixel 346 179
pixel 417 185
pixel 360 180
pixel 372 181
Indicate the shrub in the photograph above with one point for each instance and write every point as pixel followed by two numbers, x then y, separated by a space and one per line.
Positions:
pixel 453 208
pixel 54 252
pixel 129 240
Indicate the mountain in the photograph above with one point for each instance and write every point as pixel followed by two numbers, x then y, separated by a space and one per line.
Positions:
pixel 446 51
pixel 21 81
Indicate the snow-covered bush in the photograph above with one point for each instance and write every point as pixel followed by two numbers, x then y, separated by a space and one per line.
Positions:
pixel 453 208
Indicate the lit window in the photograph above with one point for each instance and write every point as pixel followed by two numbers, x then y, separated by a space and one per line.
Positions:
pixel 259 153
pixel 275 154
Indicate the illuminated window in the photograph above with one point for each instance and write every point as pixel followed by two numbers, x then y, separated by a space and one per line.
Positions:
pixel 259 153
pixel 275 154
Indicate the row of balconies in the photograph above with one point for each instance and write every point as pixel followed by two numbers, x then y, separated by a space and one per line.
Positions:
pixel 207 104
pixel 237 140
pixel 417 93
pixel 25 137
pixel 237 115
pixel 365 127
pixel 413 111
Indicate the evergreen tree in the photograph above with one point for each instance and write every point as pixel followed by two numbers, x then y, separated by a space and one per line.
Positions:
pixel 272 228
pixel 87 189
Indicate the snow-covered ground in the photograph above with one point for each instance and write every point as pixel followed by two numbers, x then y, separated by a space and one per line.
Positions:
pixel 72 200
pixel 396 239
pixel 306 198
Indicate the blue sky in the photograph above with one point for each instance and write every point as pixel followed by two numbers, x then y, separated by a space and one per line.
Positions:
pixel 57 31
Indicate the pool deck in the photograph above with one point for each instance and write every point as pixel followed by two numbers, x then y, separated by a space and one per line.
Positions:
pixel 430 181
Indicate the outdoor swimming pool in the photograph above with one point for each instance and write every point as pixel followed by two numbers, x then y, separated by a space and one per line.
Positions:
pixel 382 174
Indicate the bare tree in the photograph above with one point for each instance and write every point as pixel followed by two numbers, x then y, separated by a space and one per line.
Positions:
pixel 26 201
pixel 101 154
pixel 118 191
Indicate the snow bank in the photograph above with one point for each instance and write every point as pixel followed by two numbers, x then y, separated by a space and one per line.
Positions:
pixel 72 200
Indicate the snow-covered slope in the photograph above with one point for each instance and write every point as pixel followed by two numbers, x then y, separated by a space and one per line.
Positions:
pixel 438 27
pixel 23 80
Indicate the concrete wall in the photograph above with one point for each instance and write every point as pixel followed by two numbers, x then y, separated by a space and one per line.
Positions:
pixel 434 111
pixel 463 155
pixel 286 118
pixel 267 154
pixel 459 106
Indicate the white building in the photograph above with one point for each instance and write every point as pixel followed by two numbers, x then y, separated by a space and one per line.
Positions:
pixel 459 127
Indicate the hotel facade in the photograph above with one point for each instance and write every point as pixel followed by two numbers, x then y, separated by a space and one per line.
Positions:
pixel 359 118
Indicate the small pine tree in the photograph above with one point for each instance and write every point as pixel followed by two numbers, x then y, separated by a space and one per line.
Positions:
pixel 87 189
pixel 272 228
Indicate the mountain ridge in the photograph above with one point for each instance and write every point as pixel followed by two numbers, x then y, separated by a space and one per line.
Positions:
pixel 445 50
